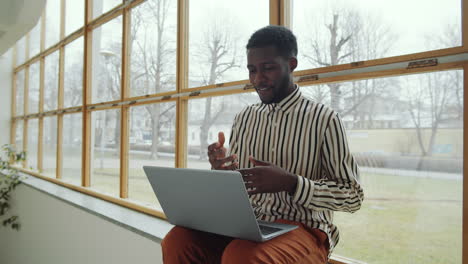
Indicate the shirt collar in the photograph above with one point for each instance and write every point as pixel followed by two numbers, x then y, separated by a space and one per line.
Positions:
pixel 288 102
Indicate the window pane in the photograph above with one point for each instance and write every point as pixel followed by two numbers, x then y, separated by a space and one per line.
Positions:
pixel 19 135
pixel 21 51
pixel 51 81
pixel 107 50
pixel 152 142
pixel 406 134
pixel 50 146
pixel 203 126
pixel 105 151
pixel 71 157
pixel 102 6
pixel 33 142
pixel 52 25
pixel 74 18
pixel 20 93
pixel 218 35
pixel 35 39
pixel 73 74
pixel 153 47
pixel 349 31
pixel 34 80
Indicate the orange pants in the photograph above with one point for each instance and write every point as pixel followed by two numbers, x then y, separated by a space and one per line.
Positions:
pixel 302 245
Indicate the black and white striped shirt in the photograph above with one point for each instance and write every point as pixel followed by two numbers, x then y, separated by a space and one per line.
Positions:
pixel 307 139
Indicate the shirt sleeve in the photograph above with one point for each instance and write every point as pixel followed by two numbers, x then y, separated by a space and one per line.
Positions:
pixel 338 188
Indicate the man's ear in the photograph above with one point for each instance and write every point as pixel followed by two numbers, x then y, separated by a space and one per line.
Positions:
pixel 292 64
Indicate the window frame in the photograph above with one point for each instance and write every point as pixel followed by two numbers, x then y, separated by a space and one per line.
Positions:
pixel 280 14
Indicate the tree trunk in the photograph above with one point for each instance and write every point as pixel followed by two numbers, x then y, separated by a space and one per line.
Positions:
pixel 155 112
pixel 204 128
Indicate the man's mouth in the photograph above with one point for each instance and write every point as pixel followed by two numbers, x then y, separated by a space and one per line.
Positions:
pixel 262 88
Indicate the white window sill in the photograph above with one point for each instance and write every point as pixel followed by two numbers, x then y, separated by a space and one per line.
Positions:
pixel 148 226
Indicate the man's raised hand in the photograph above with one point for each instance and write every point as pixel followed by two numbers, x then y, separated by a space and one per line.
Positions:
pixel 217 155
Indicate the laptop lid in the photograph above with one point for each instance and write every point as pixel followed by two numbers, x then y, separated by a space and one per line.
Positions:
pixel 208 200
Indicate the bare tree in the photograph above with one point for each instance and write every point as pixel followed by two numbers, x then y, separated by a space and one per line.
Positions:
pixel 437 98
pixel 217 54
pixel 350 37
pixel 151 56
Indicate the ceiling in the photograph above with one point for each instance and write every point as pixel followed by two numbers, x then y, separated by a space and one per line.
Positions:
pixel 17 17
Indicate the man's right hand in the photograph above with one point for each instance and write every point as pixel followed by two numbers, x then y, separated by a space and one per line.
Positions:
pixel 217 155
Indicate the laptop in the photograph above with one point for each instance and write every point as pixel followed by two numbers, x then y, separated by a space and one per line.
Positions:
pixel 214 201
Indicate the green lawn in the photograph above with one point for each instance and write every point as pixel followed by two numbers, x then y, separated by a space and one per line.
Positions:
pixel 402 220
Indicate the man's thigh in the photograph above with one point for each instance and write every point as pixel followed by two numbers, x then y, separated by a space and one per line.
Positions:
pixel 184 245
pixel 302 245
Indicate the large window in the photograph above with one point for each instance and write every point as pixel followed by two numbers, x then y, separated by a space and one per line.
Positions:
pixel 153 82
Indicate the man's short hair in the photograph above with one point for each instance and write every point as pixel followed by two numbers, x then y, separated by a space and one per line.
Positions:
pixel 278 36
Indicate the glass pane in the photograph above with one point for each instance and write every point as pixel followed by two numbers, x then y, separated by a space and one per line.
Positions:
pixel 152 142
pixel 73 74
pixel 21 51
pixel 50 146
pixel 35 39
pixel 34 79
pixel 105 159
pixel 153 47
pixel 107 50
pixel 51 81
pixel 74 18
pixel 33 143
pixel 203 126
pixel 406 134
pixel 349 31
pixel 19 135
pixel 20 93
pixel 71 158
pixel 52 24
pixel 217 39
pixel 102 6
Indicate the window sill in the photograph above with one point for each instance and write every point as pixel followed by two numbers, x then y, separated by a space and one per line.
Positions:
pixel 145 225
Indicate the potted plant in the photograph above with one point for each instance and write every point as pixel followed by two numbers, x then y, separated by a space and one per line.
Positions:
pixel 9 180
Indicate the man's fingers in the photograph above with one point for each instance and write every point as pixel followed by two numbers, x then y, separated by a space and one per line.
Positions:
pixel 257 162
pixel 221 138
pixel 213 146
pixel 232 166
pixel 227 159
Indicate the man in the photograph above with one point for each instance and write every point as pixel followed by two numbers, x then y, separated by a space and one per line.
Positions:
pixel 294 158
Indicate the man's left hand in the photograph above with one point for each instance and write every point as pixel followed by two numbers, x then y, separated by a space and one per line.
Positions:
pixel 267 178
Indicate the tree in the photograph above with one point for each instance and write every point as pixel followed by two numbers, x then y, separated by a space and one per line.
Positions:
pixel 217 54
pixel 348 36
pixel 436 99
pixel 152 58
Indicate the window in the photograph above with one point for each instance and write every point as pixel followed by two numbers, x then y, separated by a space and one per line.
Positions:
pixel 152 82
pixel 107 52
pixel 218 35
pixel 73 74
pixel 357 30
pixel 411 173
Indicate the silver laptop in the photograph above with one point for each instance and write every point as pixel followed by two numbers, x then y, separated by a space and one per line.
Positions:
pixel 210 200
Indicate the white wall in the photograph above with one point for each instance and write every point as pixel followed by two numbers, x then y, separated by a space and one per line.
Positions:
pixel 53 231
pixel 5 96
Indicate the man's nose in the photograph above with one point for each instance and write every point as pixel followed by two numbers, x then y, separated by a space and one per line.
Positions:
pixel 259 78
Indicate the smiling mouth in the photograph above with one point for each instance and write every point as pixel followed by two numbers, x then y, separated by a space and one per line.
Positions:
pixel 262 88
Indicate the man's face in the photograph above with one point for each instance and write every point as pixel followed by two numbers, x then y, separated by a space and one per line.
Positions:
pixel 269 73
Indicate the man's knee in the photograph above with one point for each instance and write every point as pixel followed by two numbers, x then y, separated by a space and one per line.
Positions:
pixel 177 238
pixel 244 251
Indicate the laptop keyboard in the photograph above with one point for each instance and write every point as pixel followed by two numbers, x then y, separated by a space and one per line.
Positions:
pixel 266 230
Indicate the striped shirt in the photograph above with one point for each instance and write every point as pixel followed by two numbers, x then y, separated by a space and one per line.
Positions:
pixel 307 139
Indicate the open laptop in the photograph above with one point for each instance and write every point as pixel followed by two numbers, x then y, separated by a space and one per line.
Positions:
pixel 210 200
